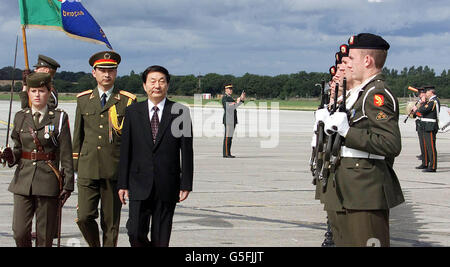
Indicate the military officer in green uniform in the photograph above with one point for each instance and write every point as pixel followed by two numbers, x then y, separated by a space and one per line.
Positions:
pixel 96 150
pixel 46 65
pixel 42 144
pixel 365 183
pixel 230 118
pixel 429 120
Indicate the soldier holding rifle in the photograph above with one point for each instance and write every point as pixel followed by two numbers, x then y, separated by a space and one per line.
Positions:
pixel 42 144
pixel 366 185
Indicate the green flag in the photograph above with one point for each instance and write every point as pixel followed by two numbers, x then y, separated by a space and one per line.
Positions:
pixel 41 14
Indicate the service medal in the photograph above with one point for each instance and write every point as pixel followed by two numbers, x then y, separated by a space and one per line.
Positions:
pixel 47 135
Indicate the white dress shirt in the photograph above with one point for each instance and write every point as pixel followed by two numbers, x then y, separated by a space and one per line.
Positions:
pixel 160 107
pixel 108 93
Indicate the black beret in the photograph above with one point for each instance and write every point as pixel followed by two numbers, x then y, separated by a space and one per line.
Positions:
pixel 428 87
pixel 38 79
pixel 344 50
pixel 332 70
pixel 105 59
pixel 421 90
pixel 368 41
pixel 44 61
pixel 338 57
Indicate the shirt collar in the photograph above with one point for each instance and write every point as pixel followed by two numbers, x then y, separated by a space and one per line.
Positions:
pixel 160 105
pixel 108 93
pixel 42 111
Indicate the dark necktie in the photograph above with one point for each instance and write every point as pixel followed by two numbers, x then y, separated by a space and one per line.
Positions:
pixel 37 115
pixel 155 122
pixel 103 100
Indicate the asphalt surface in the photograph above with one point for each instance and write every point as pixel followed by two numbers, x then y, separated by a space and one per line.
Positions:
pixel 264 196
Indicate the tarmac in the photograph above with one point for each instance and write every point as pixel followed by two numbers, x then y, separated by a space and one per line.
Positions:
pixel 264 196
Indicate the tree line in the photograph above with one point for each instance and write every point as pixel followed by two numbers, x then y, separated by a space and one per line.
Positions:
pixel 283 86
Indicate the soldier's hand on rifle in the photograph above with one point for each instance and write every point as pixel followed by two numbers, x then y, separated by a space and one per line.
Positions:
pixel 64 195
pixel 8 156
pixel 338 122
pixel 321 115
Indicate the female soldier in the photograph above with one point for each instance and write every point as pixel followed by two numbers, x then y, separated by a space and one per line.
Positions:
pixel 41 142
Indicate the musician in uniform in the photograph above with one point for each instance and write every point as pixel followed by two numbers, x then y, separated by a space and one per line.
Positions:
pixel 429 121
pixel 419 128
pixel 230 118
pixel 96 150
pixel 365 183
pixel 42 144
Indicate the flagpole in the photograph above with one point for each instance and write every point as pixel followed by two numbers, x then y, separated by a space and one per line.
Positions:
pixel 25 49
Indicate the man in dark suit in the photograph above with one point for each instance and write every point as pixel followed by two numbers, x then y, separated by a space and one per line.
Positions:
pixel 155 134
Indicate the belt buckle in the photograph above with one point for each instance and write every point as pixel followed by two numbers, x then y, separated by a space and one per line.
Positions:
pixel 33 155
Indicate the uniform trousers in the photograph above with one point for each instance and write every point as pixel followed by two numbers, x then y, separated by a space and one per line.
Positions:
pixel 361 228
pixel 25 207
pixel 90 193
pixel 430 142
pixel 228 139
pixel 423 150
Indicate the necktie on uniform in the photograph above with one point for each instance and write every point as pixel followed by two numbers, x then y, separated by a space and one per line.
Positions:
pixel 103 100
pixel 36 116
pixel 155 122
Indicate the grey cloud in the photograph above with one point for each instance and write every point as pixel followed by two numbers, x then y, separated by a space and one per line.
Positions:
pixel 236 36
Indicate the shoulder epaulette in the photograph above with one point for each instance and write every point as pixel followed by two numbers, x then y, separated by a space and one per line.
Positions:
pixel 128 94
pixel 85 93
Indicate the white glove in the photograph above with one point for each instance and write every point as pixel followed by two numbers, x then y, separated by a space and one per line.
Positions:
pixel 321 115
pixel 337 122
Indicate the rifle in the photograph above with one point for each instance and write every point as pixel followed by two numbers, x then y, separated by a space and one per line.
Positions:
pixel 325 171
pixel 317 152
pixel 10 100
pixel 339 140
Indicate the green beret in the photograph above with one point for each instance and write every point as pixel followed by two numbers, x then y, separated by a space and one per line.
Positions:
pixel 38 79
pixel 368 41
pixel 44 61
pixel 105 59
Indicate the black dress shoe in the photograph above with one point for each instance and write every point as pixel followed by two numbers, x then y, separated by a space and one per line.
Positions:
pixel 230 156
pixel 420 167
pixel 419 157
pixel 429 170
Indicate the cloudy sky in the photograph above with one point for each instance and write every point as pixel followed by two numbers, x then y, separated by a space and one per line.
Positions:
pixel 262 37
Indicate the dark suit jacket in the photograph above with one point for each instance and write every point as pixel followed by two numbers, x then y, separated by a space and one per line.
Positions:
pixel 144 164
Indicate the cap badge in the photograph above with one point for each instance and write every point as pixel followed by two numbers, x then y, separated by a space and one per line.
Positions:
pixel 351 41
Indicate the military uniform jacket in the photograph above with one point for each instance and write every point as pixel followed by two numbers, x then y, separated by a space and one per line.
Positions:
pixel 366 183
pixel 36 177
pixel 230 112
pixel 430 111
pixel 96 145
pixel 418 116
